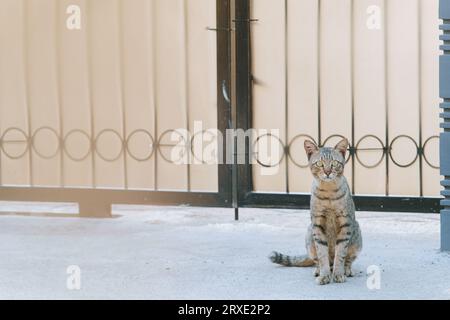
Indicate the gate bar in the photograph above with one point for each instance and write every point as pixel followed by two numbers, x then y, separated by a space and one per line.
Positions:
pixel 224 111
pixel 244 84
pixel 98 202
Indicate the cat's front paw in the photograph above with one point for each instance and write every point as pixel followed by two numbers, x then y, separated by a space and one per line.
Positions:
pixel 339 278
pixel 316 272
pixel 349 273
pixel 323 280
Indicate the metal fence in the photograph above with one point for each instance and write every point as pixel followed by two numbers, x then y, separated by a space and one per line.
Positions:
pixel 87 114
pixel 89 107
pixel 323 70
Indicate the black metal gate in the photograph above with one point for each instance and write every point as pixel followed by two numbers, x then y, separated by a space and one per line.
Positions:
pixel 247 197
pixel 235 181
pixel 95 200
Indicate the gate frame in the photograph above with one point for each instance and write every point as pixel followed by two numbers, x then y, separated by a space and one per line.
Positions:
pixel 235 181
pixel 250 198
pixel 97 202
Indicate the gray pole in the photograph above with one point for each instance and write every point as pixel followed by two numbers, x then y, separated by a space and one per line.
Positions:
pixel 444 88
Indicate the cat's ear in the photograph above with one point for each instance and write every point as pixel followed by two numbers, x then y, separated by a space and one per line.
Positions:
pixel 310 148
pixel 342 147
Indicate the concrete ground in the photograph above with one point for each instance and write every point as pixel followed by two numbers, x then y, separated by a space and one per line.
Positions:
pixel 201 253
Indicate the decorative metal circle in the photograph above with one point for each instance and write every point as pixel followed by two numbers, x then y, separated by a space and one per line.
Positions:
pixel 4 142
pixel 115 134
pixel 168 145
pixel 337 136
pixel 84 135
pixel 39 152
pixel 151 145
pixel 424 152
pixel 289 148
pixel 202 133
pixel 257 153
pixel 368 166
pixel 392 157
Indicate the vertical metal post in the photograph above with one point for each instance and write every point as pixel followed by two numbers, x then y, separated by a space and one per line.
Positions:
pixel 58 77
pixel 386 90
pixel 319 70
pixel 26 78
pixel 352 81
pixel 152 43
pixel 286 91
pixel 89 85
pixel 444 88
pixel 224 95
pixel 186 88
pixel 243 115
pixel 123 103
pixel 419 94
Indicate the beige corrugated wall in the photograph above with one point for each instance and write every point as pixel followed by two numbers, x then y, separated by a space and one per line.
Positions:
pixel 301 62
pixel 135 69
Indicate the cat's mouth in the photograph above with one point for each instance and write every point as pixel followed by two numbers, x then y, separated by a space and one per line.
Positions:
pixel 327 178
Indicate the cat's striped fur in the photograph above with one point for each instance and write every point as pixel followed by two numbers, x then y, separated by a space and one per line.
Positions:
pixel 333 240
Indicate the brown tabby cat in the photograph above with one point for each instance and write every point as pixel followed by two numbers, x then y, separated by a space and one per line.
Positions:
pixel 334 238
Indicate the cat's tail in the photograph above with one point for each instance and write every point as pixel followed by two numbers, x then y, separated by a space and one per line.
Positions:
pixel 289 261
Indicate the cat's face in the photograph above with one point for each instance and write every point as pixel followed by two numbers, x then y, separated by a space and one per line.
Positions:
pixel 326 164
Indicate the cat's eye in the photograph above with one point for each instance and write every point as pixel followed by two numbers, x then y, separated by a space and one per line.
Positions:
pixel 335 163
pixel 319 164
